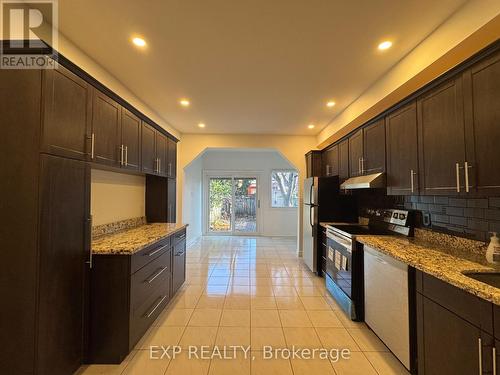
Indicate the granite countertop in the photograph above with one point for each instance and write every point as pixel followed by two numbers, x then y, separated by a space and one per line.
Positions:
pixel 444 261
pixel 133 240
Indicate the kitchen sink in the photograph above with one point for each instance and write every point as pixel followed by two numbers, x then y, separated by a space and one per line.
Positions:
pixel 490 278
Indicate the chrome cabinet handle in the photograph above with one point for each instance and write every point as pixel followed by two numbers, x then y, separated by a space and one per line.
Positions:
pixel 170 169
pixel 359 166
pixel 89 223
pixel 159 165
pixel 126 156
pixel 494 361
pixel 466 172
pixel 122 149
pixel 362 165
pixel 156 251
pixel 327 170
pixel 457 169
pixel 151 279
pixel 156 307
pixel 480 351
pixel 92 146
pixel 412 181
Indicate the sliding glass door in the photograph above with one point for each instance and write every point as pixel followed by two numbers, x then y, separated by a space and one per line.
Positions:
pixel 232 205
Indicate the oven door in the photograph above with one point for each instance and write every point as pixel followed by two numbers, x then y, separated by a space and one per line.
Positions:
pixel 339 262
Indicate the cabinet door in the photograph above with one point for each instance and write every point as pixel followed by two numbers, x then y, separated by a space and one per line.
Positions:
pixel 441 139
pixel 482 120
pixel 402 153
pixel 355 153
pixel 131 140
pixel 447 344
pixel 64 249
pixel 106 130
pixel 343 160
pixel 171 200
pixel 331 161
pixel 172 158
pixel 179 266
pixel 374 148
pixel 161 153
pixel 67 101
pixel 148 149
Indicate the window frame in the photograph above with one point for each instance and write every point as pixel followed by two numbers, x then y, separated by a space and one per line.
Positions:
pixel 271 189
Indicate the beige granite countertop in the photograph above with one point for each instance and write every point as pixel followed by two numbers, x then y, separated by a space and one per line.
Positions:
pixel 444 261
pixel 133 240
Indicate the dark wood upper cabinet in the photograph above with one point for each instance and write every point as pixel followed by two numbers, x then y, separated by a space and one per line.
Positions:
pixel 64 249
pixel 148 149
pixel 356 153
pixel 106 114
pixel 373 159
pixel 482 125
pixel 441 139
pixel 161 154
pixel 131 140
pixel 171 158
pixel 331 161
pixel 313 163
pixel 67 101
pixel 402 151
pixel 344 160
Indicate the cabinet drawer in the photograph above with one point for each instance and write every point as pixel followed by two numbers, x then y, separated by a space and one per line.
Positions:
pixel 179 236
pixel 469 307
pixel 149 254
pixel 144 315
pixel 179 266
pixel 149 278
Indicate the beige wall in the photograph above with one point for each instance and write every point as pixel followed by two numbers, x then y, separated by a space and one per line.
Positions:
pixel 116 196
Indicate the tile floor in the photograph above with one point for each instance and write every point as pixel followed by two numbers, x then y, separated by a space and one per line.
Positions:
pixel 254 292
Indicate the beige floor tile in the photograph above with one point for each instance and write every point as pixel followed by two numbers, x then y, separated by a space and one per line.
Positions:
pixel 182 365
pixel 346 321
pixel 241 281
pixel 262 290
pixel 289 303
pixel 386 363
pixel 284 291
pixel 235 318
pixel 294 318
pixel 232 336
pixel 367 340
pixel 312 366
pixel 205 318
pixel 218 280
pixel 301 338
pixel 210 302
pixel 185 301
pixel 162 336
pixel 174 317
pixel 214 290
pixel 315 303
pixel 263 303
pixel 197 336
pixel 237 302
pixel 237 366
pixel 308 291
pixel 238 290
pixel 262 366
pixel 143 364
pixel 325 318
pixel 265 318
pixel 337 338
pixel 261 337
pixel 357 364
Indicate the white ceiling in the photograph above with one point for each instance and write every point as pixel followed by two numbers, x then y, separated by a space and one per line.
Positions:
pixel 249 66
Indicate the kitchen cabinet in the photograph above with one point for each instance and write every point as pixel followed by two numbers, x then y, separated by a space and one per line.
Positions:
pixel 441 139
pixel 179 261
pixel 160 199
pixel 373 158
pixel 343 160
pixel 402 151
pixel 161 154
pixel 130 155
pixel 313 164
pixel 171 200
pixel 482 119
pixel 454 329
pixel 171 158
pixel 331 161
pixel 149 162
pixel 105 130
pixel 356 154
pixel 67 101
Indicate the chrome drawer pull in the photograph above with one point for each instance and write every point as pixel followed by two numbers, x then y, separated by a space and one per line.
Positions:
pixel 156 307
pixel 150 280
pixel 480 349
pixel 494 361
pixel 156 251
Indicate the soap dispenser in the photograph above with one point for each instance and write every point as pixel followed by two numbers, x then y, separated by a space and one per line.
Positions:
pixel 493 252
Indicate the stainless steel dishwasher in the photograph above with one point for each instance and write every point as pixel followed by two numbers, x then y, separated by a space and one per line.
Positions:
pixel 386 302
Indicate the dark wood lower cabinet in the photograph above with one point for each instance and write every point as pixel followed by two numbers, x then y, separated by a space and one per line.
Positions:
pixel 128 292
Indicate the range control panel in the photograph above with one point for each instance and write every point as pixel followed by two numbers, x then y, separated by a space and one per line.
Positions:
pixel 391 216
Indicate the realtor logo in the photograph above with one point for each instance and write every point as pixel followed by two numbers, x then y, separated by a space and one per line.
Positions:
pixel 29 34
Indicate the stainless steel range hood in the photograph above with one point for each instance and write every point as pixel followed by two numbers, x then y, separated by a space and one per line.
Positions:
pixel 370 181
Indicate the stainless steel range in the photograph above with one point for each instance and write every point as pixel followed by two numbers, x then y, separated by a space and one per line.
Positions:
pixel 344 264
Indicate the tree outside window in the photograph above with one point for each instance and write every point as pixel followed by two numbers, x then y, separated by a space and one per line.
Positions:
pixel 284 189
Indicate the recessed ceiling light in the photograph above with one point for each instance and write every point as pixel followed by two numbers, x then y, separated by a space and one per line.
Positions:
pixel 201 125
pixel 385 45
pixel 310 126
pixel 139 42
pixel 184 102
pixel 330 104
